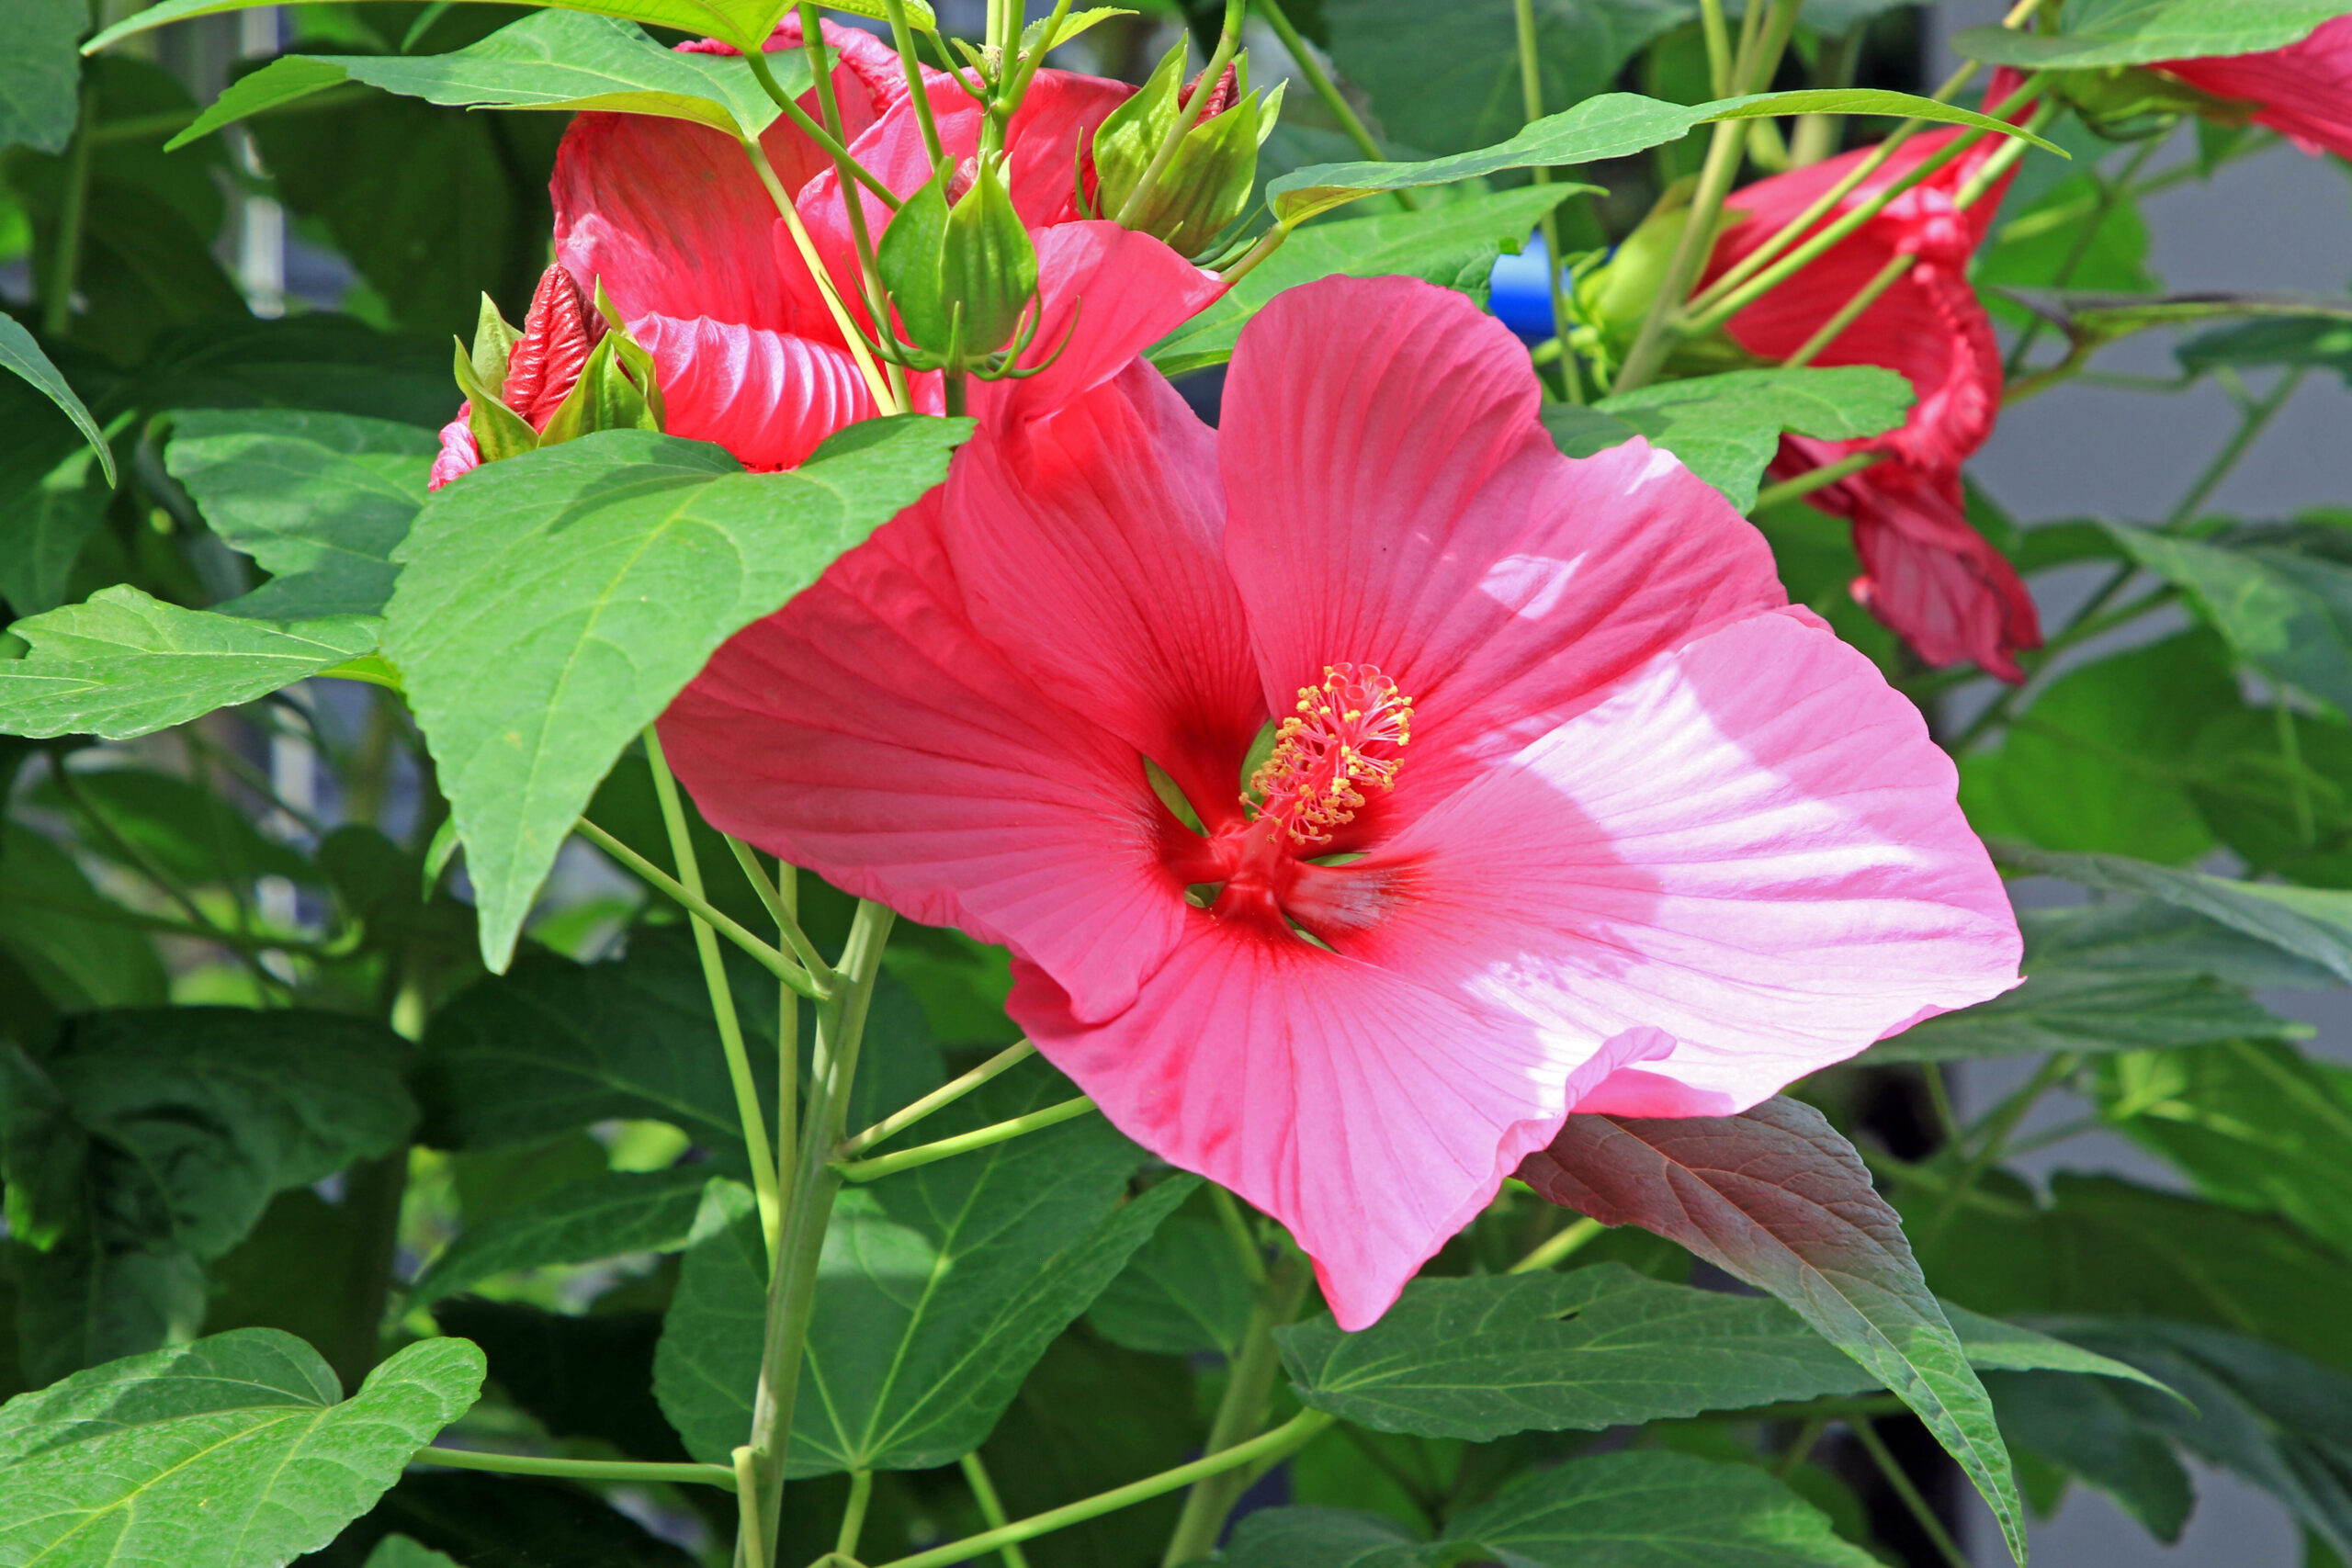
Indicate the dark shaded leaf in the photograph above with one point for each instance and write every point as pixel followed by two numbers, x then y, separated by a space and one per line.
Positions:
pixel 604 1216
pixel 1182 1295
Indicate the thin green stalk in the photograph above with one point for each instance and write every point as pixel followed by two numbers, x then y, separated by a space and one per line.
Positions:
pixel 1181 124
pixel 1815 137
pixel 976 1476
pixel 748 1109
pixel 1847 314
pixel 716 1475
pixel 2299 787
pixel 1939 1099
pixel 1995 1131
pixel 903 37
pixel 1329 91
pixel 1718 36
pixel 1032 59
pixel 947 1094
pixel 1530 87
pixel 827 142
pixel 2109 193
pixel 962 1143
pixel 877 303
pixel 876 384
pixel 65 263
pixel 747 1506
pixel 1237 1230
pixel 787 1034
pixel 138 919
pixel 1808 1436
pixel 792 1288
pixel 781 897
pixel 776 963
pixel 1250 1384
pixel 1932 1527
pixel 2251 425
pixel 2085 626
pixel 861 1491
pixel 1813 479
pixel 1283 1440
pixel 1559 1246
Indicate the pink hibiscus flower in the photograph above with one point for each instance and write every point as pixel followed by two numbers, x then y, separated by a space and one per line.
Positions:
pixel 672 220
pixel 1568 810
pixel 1926 572
pixel 2303 90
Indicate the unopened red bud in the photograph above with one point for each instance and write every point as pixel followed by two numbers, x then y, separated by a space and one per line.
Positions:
pixel 557 337
pixel 1221 97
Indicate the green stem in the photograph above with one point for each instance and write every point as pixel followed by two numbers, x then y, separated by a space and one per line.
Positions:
pixel 1329 91
pixel 2087 624
pixel 1026 71
pixel 2250 427
pixel 900 1120
pixel 787 1034
pixel 962 1143
pixel 1284 1440
pixel 716 1475
pixel 1939 1099
pixel 2109 192
pixel 792 1287
pixel 1718 38
pixel 748 1109
pixel 65 264
pixel 1250 1384
pixel 877 302
pixel 1901 1485
pixel 1180 123
pixel 373 1191
pixel 1237 1230
pixel 885 401
pixel 903 37
pixel 976 1476
pixel 861 1491
pixel 1530 89
pixel 747 1506
pixel 1559 1246
pixel 114 914
pixel 776 963
pixel 780 910
pixel 1807 1436
pixel 1994 1130
pixel 826 142
pixel 1816 478
pixel 2298 788
pixel 1864 298
pixel 1815 137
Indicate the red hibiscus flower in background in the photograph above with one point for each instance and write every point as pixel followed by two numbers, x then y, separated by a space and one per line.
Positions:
pixel 1926 572
pixel 1569 807
pixel 2303 90
pixel 671 220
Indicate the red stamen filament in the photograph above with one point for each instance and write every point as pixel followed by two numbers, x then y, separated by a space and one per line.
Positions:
pixel 1343 738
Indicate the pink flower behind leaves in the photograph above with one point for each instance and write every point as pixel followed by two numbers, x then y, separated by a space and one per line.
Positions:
pixel 1926 571
pixel 1576 812
pixel 2303 91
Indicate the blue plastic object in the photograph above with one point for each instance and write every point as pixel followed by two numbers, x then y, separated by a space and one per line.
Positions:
pixel 1521 291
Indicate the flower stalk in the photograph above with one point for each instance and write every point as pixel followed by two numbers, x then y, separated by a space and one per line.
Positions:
pixel 899 1121
pixel 963 1142
pixel 1181 122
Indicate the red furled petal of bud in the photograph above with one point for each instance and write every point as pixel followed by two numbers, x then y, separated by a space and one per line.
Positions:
pixel 1221 97
pixel 556 337
pixel 961 180
pixel 460 454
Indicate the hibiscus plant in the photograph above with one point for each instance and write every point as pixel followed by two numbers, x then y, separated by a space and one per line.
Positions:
pixel 1234 783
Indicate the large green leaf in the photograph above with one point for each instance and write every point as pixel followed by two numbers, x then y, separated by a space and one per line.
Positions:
pixel 603 1217
pixel 2283 811
pixel 938 1289
pixel 43 525
pixel 2140 32
pixel 1726 428
pixel 746 23
pixel 1614 125
pixel 2308 924
pixel 2254 1125
pixel 2089 1429
pixel 1775 1197
pixel 1645 1509
pixel 39 73
pixel 1453 245
pixel 232 1452
pixel 124 663
pixel 1182 1295
pixel 596 579
pixel 21 353
pixel 2282 596
pixel 553 60
pixel 53 922
pixel 318 500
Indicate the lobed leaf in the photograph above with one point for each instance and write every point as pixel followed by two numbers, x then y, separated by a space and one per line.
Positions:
pixel 21 355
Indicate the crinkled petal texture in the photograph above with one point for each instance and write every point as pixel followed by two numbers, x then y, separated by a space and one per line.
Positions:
pixel 1928 327
pixel 1660 842
pixel 2304 90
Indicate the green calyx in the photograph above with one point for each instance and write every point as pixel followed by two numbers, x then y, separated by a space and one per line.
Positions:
pixel 1205 184
pixel 961 275
pixel 618 388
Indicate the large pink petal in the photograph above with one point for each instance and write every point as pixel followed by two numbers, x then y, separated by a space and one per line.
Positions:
pixel 1393 500
pixel 767 397
pixel 867 732
pixel 1373 1116
pixel 1107 294
pixel 1055 123
pixel 1752 847
pixel 2305 89
pixel 1090 549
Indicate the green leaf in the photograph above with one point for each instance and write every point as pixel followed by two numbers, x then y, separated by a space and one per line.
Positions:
pixel 1726 428
pixel 53 922
pixel 1485 1357
pixel 2311 924
pixel 1453 245
pixel 605 1217
pixel 1995 1345
pixel 43 525
pixel 2255 1125
pixel 318 500
pixel 2103 760
pixel 242 1433
pixel 2319 341
pixel 2281 596
pixel 1775 1197
pixel 2141 32
pixel 597 577
pixel 554 60
pixel 1182 1295
pixel 41 75
pixel 21 353
pixel 195 834
pixel 122 663
pixel 746 23
pixel 1614 125
pixel 2091 1431
pixel 402 1551
pixel 2255 794
pixel 938 1289
pixel 1327 1537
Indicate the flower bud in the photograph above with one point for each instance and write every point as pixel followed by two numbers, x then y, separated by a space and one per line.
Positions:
pixel 1205 183
pixel 960 276
pixel 615 388
pixel 568 371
